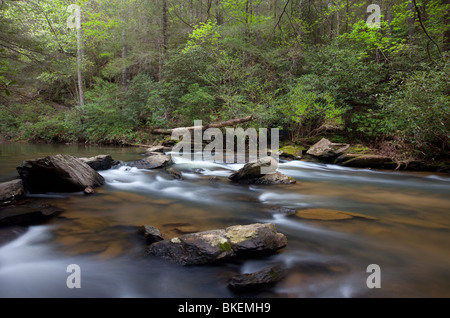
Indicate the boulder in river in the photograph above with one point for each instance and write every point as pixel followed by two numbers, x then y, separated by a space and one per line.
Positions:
pixel 152 162
pixel 325 149
pixel 174 173
pixel 159 149
pixel 256 281
pixel 219 245
pixel 100 162
pixel 28 213
pixel 11 190
pixel 58 173
pixel 365 161
pixel 253 173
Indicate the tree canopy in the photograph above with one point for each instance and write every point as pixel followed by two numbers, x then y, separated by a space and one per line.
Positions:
pixel 310 68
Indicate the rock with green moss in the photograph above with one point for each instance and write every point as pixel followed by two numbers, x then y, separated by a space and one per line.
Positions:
pixel 219 245
pixel 290 152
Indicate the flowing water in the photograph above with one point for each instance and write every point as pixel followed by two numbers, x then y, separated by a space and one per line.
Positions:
pixel 407 235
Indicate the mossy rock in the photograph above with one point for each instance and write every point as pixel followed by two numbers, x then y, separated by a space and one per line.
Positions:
pixel 291 152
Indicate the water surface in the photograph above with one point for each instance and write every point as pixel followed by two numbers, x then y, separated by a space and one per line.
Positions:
pixel 408 238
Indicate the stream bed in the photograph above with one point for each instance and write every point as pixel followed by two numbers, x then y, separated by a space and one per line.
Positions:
pixel 407 233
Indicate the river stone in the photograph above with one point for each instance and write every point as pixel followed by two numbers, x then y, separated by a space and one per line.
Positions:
pixel 174 173
pixel 151 234
pixel 11 190
pixel 159 149
pixel 330 215
pixel 251 173
pixel 219 245
pixel 27 214
pixel 58 173
pixel 326 149
pixel 365 161
pixel 194 249
pixel 256 281
pixel 100 162
pixel 152 162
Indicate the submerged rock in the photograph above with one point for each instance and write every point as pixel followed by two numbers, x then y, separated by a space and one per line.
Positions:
pixel 255 173
pixel 219 245
pixel 58 173
pixel 27 214
pixel 264 278
pixel 330 215
pixel 11 190
pixel 152 162
pixel 100 162
pixel 325 149
pixel 174 173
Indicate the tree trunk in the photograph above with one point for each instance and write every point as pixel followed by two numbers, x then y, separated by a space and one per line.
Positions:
pixel 165 25
pixel 219 14
pixel 258 33
pixel 79 57
pixel 411 21
pixel 191 11
pixel 230 122
pixel 446 33
pixel 124 59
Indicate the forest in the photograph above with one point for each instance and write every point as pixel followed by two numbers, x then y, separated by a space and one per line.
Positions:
pixel 373 73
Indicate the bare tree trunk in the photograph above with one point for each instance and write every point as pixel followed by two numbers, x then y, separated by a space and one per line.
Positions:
pixel 124 59
pixel 338 19
pixel 446 34
pixel 219 14
pixel 221 124
pixel 165 25
pixel 258 33
pixel 411 19
pixel 191 11
pixel 160 62
pixel 80 59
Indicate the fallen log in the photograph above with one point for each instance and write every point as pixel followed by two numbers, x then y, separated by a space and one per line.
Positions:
pixel 226 123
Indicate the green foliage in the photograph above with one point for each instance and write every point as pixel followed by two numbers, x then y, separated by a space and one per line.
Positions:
pixel 105 118
pixel 420 110
pixel 307 112
pixel 197 104
pixel 352 80
pixel 205 35
pixel 38 122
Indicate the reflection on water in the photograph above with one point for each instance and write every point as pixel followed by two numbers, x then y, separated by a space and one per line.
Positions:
pixel 407 236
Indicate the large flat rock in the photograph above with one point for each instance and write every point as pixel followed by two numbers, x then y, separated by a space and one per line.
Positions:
pixel 58 173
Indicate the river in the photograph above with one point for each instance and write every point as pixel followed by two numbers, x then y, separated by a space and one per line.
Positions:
pixel 408 237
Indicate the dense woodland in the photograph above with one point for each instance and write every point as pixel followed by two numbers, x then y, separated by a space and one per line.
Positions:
pixel 312 68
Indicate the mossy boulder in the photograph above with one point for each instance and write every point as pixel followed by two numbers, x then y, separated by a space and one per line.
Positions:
pixel 291 152
pixel 219 245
